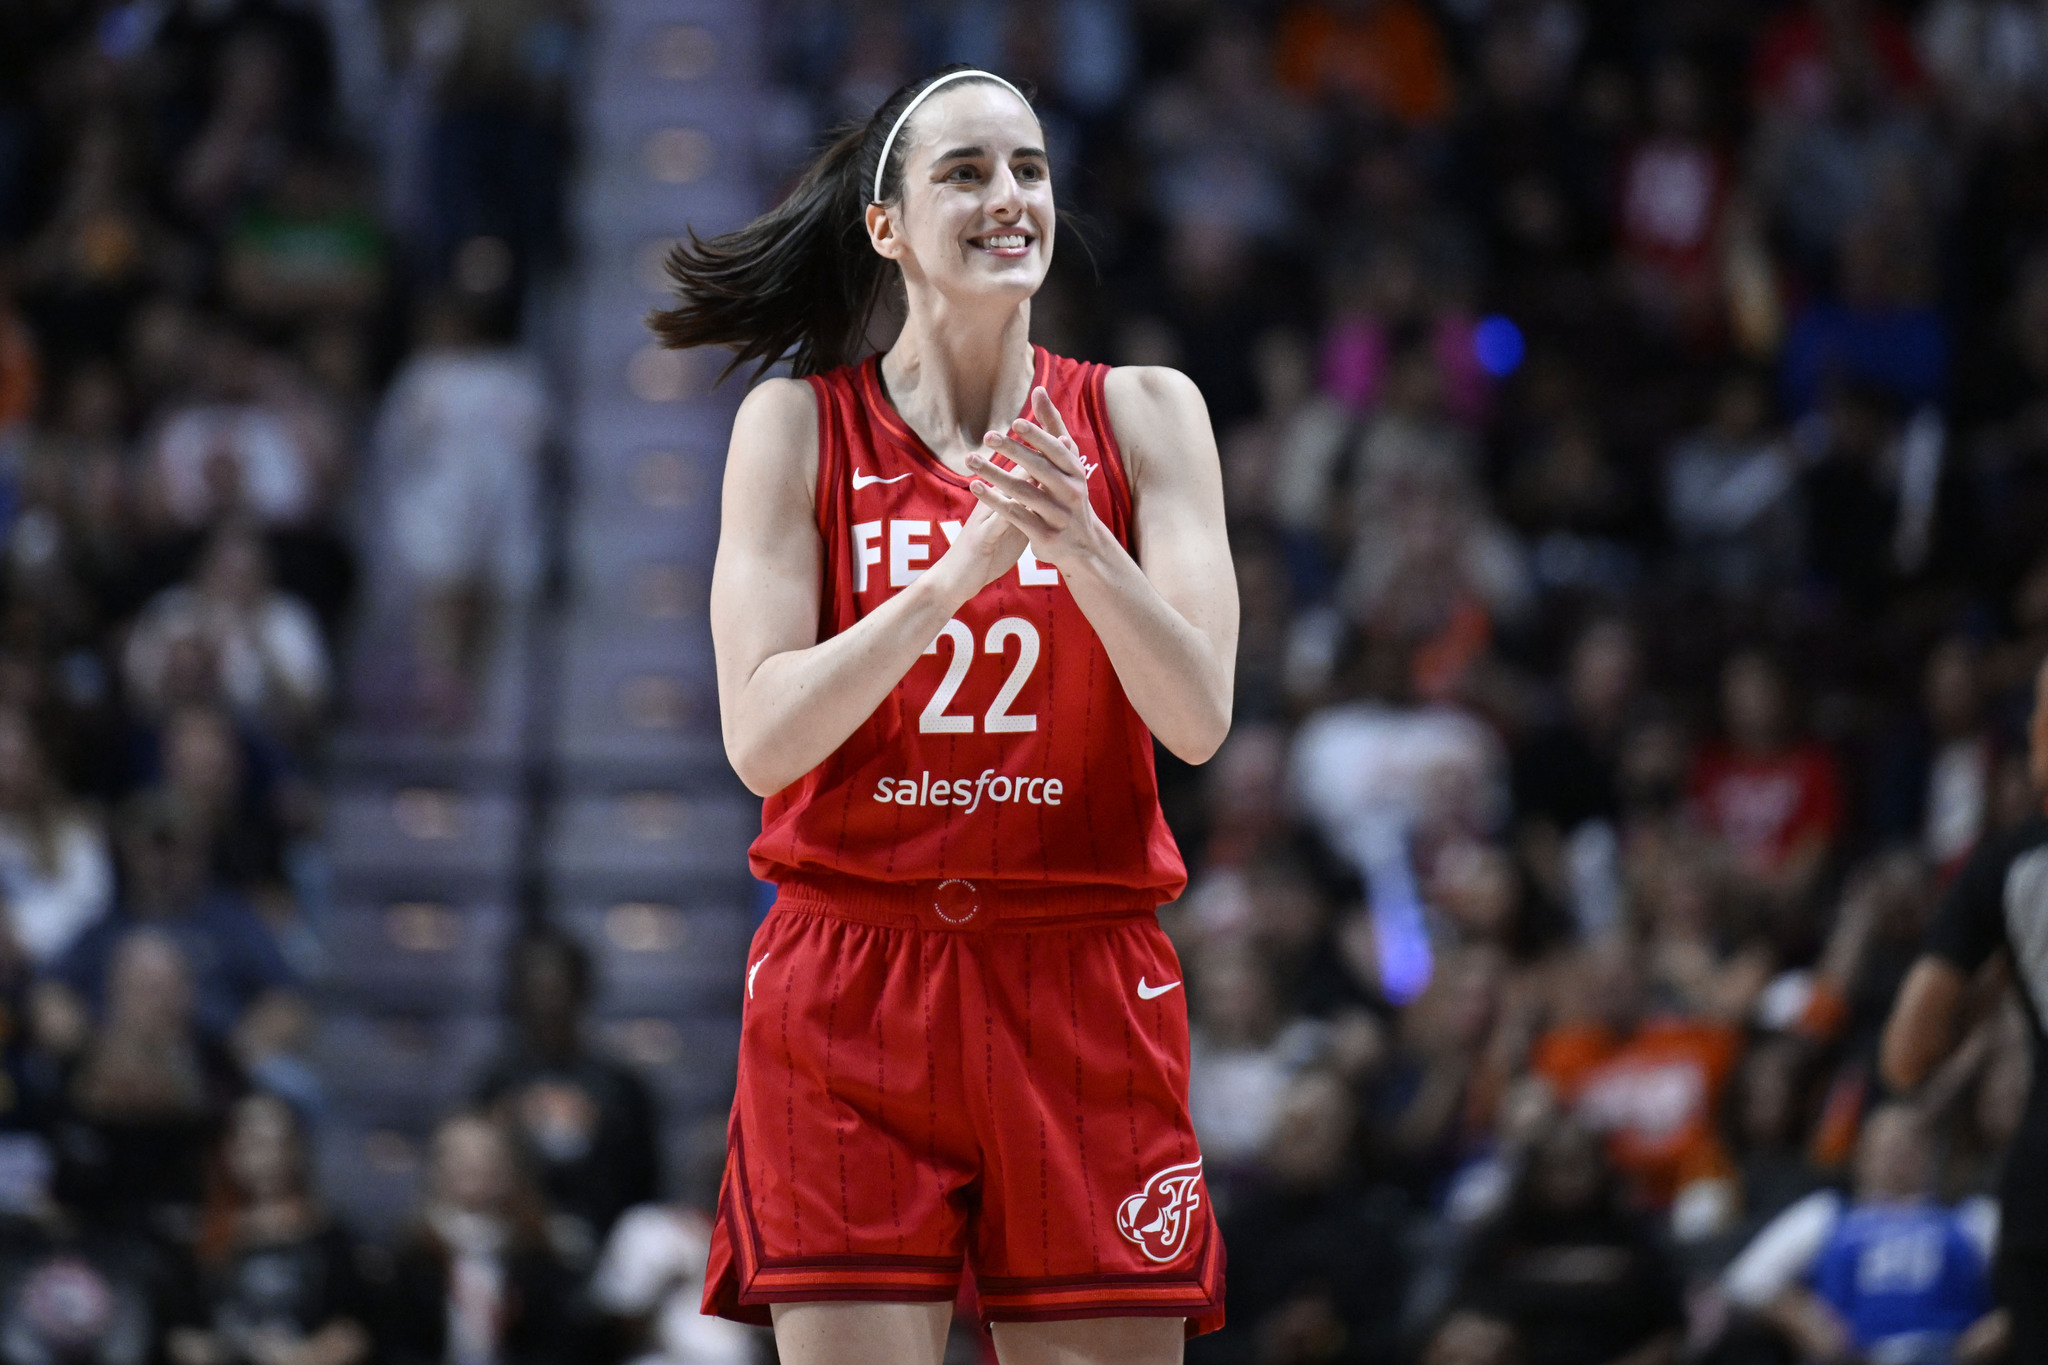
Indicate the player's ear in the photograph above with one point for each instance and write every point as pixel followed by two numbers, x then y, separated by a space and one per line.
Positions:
pixel 882 232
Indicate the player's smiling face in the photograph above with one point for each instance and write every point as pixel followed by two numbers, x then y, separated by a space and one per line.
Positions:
pixel 975 214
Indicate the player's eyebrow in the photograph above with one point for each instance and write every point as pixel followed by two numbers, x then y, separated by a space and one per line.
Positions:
pixel 970 153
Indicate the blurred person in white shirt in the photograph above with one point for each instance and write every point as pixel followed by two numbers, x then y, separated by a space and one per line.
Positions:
pixel 652 1270
pixel 269 661
pixel 458 449
pixel 56 877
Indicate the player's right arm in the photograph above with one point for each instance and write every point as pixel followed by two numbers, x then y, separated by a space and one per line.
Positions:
pixel 787 699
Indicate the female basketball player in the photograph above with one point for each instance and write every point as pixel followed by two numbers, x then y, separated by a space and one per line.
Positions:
pixel 960 586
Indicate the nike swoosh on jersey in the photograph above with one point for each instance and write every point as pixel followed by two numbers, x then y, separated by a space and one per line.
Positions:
pixel 755 971
pixel 861 480
pixel 1146 992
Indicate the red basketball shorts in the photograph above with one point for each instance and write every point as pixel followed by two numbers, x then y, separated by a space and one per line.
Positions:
pixel 932 1078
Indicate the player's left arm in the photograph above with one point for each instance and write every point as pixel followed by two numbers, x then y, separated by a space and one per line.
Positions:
pixel 1167 619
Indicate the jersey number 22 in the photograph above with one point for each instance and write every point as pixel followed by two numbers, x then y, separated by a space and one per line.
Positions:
pixel 997 720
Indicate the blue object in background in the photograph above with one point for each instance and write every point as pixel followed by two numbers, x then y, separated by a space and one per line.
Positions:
pixel 1498 346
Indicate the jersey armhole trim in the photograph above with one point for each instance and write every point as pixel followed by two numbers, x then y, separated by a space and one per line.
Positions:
pixel 821 394
pixel 1113 455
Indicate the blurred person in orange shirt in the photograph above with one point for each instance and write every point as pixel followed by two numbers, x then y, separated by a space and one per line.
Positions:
pixel 1651 1081
pixel 1384 54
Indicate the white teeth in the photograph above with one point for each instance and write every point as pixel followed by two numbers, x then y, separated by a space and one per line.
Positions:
pixel 1004 243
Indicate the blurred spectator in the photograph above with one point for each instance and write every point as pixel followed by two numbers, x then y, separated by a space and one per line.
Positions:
pixel 499 144
pixel 1565 773
pixel 246 137
pixel 279 1278
pixel 1873 497
pixel 148 1089
pixel 1578 507
pixel 1580 1277
pixel 56 877
pixel 588 1123
pixel 73 1290
pixel 1278 466
pixel 208 786
pixel 309 251
pixel 21 370
pixel 475 1279
pixel 458 450
pixel 1888 1275
pixel 1652 1083
pixel 1320 1271
pixel 1424 548
pixel 168 890
pixel 1534 174
pixel 1989 58
pixel 249 437
pixel 1773 1112
pixel 1881 330
pixel 1224 141
pixel 1703 958
pixel 1729 497
pixel 1675 189
pixel 2006 380
pixel 1775 800
pixel 651 1278
pixel 1376 754
pixel 1439 1096
pixel 1562 353
pixel 1846 995
pixel 1937 785
pixel 1468 1338
pixel 1376 774
pixel 1797 66
pixel 101 248
pixel 267 658
pixel 1244 1052
pixel 1383 57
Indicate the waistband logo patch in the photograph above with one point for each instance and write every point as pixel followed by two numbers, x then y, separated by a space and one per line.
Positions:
pixel 1158 1217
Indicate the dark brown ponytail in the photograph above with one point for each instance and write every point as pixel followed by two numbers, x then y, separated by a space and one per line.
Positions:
pixel 802 279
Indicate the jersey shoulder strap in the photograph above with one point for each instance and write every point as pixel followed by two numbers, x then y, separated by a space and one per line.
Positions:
pixel 1078 391
pixel 840 421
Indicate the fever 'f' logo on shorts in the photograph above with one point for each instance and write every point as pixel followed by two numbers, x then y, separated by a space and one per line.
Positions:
pixel 1158 1217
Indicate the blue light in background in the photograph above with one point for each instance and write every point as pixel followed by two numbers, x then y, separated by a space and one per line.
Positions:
pixel 1497 345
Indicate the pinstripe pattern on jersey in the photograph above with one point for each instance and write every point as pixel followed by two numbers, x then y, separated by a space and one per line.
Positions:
pixel 1108 829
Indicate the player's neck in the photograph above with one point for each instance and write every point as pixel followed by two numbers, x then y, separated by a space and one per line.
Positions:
pixel 954 375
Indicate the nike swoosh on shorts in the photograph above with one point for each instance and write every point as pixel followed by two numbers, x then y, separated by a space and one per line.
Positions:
pixel 1146 992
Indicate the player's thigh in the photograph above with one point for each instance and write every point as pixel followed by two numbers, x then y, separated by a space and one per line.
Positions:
pixel 1092 1341
pixel 861 1333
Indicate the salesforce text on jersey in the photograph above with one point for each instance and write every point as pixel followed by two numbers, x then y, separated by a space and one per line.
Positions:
pixel 923 791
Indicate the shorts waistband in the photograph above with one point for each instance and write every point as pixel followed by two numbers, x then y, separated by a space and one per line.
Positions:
pixel 958 904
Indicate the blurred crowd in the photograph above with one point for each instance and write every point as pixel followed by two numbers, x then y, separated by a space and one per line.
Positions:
pixel 1635 428
pixel 1634 421
pixel 265 267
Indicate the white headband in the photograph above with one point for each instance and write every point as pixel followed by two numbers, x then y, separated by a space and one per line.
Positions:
pixel 911 108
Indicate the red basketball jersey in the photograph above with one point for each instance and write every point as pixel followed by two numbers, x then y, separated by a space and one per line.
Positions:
pixel 1008 755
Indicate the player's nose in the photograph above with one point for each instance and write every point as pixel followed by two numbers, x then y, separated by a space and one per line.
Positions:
pixel 1005 196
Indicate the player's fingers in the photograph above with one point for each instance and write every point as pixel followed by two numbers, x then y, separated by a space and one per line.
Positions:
pixel 1014 485
pixel 1033 462
pixel 1058 451
pixel 1048 416
pixel 1010 510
